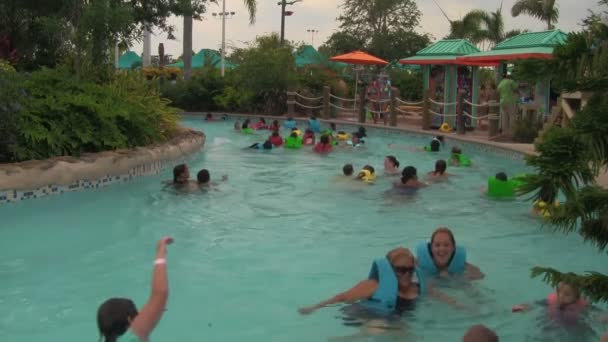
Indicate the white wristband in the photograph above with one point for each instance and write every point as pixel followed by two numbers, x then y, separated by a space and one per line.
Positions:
pixel 160 261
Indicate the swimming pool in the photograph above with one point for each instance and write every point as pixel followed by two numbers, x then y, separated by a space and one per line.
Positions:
pixel 280 234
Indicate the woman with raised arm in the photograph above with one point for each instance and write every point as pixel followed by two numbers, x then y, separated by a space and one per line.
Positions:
pixel 118 318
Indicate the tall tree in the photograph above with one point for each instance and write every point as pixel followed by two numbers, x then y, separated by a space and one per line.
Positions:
pixel 385 28
pixel 545 10
pixel 571 157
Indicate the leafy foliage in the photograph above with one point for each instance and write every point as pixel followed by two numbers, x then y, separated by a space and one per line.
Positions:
pixel 61 115
pixel 408 82
pixel 526 129
pixel 545 10
pixel 571 158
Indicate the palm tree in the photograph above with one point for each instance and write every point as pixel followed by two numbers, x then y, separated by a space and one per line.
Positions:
pixel 189 12
pixel 545 10
pixel 494 27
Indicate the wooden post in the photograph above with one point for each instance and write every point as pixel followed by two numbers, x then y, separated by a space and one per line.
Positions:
pixel 426 107
pixel 460 118
pixel 493 119
pixel 291 104
pixel 394 106
pixel 326 107
pixel 362 113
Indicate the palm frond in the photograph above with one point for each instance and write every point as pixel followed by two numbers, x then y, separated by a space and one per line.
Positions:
pixel 252 7
pixel 593 285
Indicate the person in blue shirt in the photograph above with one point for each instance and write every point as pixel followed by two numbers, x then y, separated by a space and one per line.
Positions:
pixel 290 123
pixel 314 124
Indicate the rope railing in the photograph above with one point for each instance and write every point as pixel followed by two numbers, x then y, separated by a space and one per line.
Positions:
pixel 341 108
pixel 442 103
pixel 409 103
pixel 303 105
pixel 375 111
pixel 407 112
pixel 341 98
pixel 378 101
pixel 443 115
pixel 485 104
pixel 309 98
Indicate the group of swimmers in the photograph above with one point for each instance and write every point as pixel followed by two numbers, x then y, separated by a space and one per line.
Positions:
pixel 395 284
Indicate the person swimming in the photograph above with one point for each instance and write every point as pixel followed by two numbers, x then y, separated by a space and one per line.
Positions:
pixel 440 171
pixel 391 165
pixel 267 145
pixel 367 174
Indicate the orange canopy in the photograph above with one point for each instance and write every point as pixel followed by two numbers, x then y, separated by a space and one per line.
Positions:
pixel 359 57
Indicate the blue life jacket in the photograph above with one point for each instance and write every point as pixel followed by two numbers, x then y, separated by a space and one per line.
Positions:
pixel 384 300
pixel 289 124
pixel 425 260
pixel 315 125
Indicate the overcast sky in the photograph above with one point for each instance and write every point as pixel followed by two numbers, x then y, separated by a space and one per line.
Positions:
pixel 321 14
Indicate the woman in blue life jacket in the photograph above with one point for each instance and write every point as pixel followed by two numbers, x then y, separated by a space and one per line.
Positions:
pixel 443 258
pixel 393 286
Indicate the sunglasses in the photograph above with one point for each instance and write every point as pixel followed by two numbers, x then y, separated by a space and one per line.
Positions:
pixel 404 270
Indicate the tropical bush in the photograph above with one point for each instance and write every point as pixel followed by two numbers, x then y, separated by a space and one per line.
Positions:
pixel 409 84
pixel 526 129
pixel 197 93
pixel 54 113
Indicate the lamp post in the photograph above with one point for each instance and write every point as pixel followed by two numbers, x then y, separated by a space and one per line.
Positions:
pixel 223 14
pixel 283 4
pixel 312 35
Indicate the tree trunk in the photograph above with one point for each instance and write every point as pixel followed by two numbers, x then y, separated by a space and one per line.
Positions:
pixel 187 54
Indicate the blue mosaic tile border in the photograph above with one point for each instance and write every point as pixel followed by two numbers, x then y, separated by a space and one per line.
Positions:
pixel 466 145
pixel 10 196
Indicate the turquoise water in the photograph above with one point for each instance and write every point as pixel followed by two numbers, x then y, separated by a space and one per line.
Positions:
pixel 279 234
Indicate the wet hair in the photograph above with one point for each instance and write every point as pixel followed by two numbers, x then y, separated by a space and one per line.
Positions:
pixel 408 173
pixel 312 117
pixel 444 230
pixel 294 135
pixel 348 169
pixel 275 134
pixel 308 132
pixel 369 168
pixel 245 124
pixel 479 333
pixel 113 317
pixel 325 139
pixel 456 150
pixel 203 176
pixel 435 144
pixel 362 132
pixel 275 123
pixel 294 129
pixel 440 166
pixel 209 116
pixel 440 138
pixel 502 176
pixel 341 132
pixel 267 145
pixel 178 170
pixel 332 126
pixel 262 120
pixel 393 160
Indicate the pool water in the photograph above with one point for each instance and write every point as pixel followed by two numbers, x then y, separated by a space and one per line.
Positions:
pixel 281 233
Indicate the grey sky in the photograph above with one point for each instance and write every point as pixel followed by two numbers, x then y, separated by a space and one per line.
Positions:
pixel 321 15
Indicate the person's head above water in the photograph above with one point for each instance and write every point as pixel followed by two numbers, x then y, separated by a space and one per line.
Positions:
pixel 479 333
pixel 435 145
pixel 332 126
pixel 567 294
pixel 262 120
pixel 348 169
pixel 404 265
pixel 267 145
pixel 181 174
pixel 114 317
pixel 369 168
pixel 293 135
pixel 325 139
pixel 440 166
pixel 443 246
pixel 408 173
pixel 308 132
pixel 391 162
pixel 245 124
pixel 203 176
pixel 501 176
pixel 362 132
pixel 456 150
pixel 276 134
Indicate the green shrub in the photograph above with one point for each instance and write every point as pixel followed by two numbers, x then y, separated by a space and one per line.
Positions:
pixel 409 84
pixel 11 98
pixel 526 129
pixel 197 93
pixel 62 115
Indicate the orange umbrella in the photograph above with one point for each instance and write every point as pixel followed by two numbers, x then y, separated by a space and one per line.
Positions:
pixel 359 57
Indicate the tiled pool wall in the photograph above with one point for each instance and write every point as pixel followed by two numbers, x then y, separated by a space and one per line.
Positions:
pixel 9 196
pixel 465 145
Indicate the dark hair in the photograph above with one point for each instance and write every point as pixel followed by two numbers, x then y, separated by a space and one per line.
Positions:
pixel 308 132
pixel 312 117
pixel 294 129
pixel 408 173
pixel 209 116
pixel 333 126
pixel 435 144
pixel 369 168
pixel 262 120
pixel 456 150
pixel 440 138
pixel 393 160
pixel 275 123
pixel 113 317
pixel 348 169
pixel 178 170
pixel 502 176
pixel 245 124
pixel 480 333
pixel 325 139
pixel 275 133
pixel 267 145
pixel 362 132
pixel 294 135
pixel 440 166
pixel 203 176
pixel 444 230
